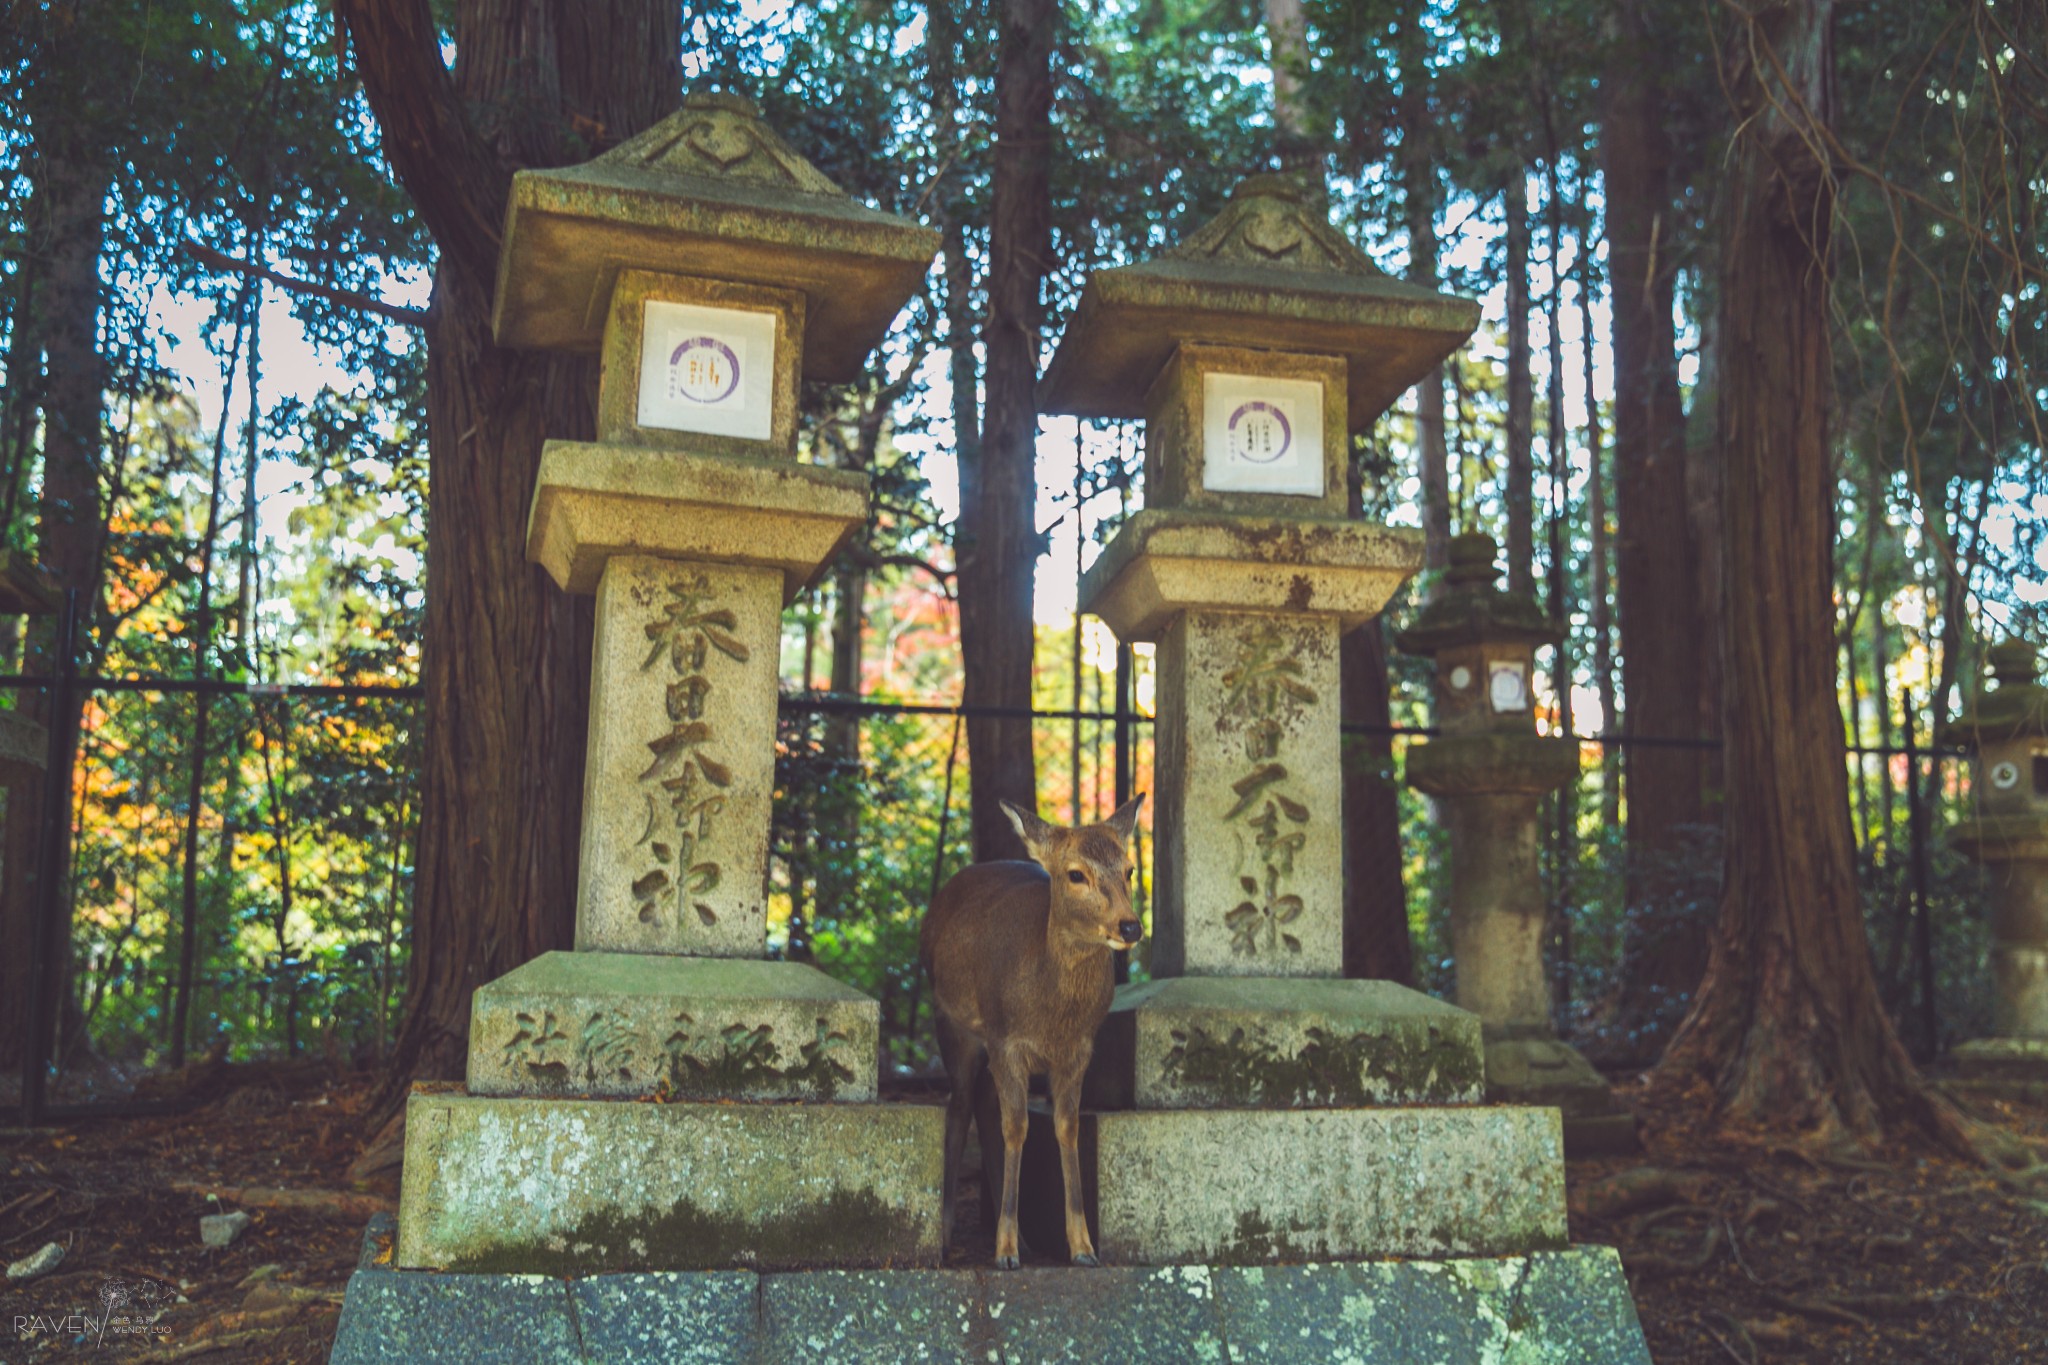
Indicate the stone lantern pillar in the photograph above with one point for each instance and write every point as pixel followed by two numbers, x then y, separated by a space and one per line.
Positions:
pixel 1252 1104
pixel 1488 769
pixel 713 269
pixel 2007 731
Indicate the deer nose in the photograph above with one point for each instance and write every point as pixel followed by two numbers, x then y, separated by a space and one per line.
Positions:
pixel 1130 931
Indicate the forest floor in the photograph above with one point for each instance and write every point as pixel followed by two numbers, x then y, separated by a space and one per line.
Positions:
pixel 1744 1250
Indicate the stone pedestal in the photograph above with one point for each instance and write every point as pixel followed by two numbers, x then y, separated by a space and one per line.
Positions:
pixel 1488 772
pixel 663 1098
pixel 2006 730
pixel 1248 1105
pixel 1565 1305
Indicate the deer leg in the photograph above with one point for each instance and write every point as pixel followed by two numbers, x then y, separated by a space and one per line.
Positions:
pixel 1066 1126
pixel 1013 1093
pixel 964 1056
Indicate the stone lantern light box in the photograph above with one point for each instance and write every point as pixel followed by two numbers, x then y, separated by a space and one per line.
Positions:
pixel 713 268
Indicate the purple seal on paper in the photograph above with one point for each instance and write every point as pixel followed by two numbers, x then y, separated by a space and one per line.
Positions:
pixel 703 370
pixel 1259 432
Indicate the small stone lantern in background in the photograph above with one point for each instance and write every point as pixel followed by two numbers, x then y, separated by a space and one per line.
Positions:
pixel 2007 731
pixel 1488 769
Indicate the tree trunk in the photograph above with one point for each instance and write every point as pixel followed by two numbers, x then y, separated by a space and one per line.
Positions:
pixel 1598 583
pixel 1377 943
pixel 506 661
pixel 67 224
pixel 1662 651
pixel 997 542
pixel 1519 496
pixel 1287 37
pixel 1788 1029
pixel 1419 198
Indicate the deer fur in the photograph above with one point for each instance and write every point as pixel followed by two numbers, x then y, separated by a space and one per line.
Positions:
pixel 1021 960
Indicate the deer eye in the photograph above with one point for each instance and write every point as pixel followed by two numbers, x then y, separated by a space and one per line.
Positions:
pixel 1077 877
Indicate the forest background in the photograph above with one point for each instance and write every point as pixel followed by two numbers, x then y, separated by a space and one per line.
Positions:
pixel 252 417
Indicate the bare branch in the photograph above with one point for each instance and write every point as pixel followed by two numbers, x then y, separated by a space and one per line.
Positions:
pixel 347 298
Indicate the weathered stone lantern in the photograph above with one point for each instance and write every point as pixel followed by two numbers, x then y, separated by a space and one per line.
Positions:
pixel 713 269
pixel 1488 769
pixel 2007 731
pixel 1254 350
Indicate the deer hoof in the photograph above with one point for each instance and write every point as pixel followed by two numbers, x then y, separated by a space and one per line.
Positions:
pixel 1006 1263
pixel 1086 1258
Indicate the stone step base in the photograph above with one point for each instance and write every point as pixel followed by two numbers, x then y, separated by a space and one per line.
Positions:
pixel 1566 1305
pixel 571 1187
pixel 624 1025
pixel 2011 1059
pixel 1194 1042
pixel 1248 1186
pixel 1544 1071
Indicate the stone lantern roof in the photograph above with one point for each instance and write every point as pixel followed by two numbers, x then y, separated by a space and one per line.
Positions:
pixel 1269 271
pixel 2016 709
pixel 1473 609
pixel 711 192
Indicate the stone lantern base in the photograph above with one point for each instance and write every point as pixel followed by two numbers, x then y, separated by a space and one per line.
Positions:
pixel 2019 1059
pixel 1544 1071
pixel 1568 1305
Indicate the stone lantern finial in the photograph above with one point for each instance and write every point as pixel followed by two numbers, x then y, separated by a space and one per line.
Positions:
pixel 2013 663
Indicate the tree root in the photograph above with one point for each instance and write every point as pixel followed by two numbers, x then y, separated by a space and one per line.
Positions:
pixel 1654 1263
pixel 344 1205
pixel 1826 1309
pixel 1748 1354
pixel 1891 1241
pixel 1641 1188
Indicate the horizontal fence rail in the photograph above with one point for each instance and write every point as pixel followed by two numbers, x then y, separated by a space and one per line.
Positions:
pixel 269 919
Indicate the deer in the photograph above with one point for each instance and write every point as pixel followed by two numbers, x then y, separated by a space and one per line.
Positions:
pixel 1020 956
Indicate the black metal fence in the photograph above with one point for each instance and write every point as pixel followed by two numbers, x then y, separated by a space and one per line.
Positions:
pixel 240 887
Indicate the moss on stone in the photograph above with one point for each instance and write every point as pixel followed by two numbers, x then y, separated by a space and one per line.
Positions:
pixel 1257 1242
pixel 1330 1070
pixel 850 1228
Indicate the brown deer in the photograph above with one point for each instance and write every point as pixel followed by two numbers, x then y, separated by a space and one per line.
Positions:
pixel 1020 959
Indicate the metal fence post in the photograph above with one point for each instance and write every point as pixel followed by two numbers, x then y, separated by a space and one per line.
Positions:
pixel 1923 929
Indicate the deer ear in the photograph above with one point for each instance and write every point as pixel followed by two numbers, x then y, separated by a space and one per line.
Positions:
pixel 1125 821
pixel 1029 827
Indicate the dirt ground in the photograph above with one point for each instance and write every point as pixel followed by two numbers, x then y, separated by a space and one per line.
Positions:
pixel 1751 1251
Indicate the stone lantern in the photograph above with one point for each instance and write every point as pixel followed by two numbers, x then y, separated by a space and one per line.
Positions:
pixel 2007 731
pixel 714 270
pixel 1254 350
pixel 1487 770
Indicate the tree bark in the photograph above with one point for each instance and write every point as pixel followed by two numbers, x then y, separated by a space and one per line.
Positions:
pixel 60 316
pixel 1662 651
pixel 1519 495
pixel 1788 1030
pixel 997 541
pixel 506 658
pixel 1417 166
pixel 1377 944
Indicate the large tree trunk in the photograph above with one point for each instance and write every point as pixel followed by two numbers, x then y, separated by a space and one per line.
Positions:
pixel 60 315
pixel 1788 1029
pixel 506 661
pixel 1377 943
pixel 997 541
pixel 1662 643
